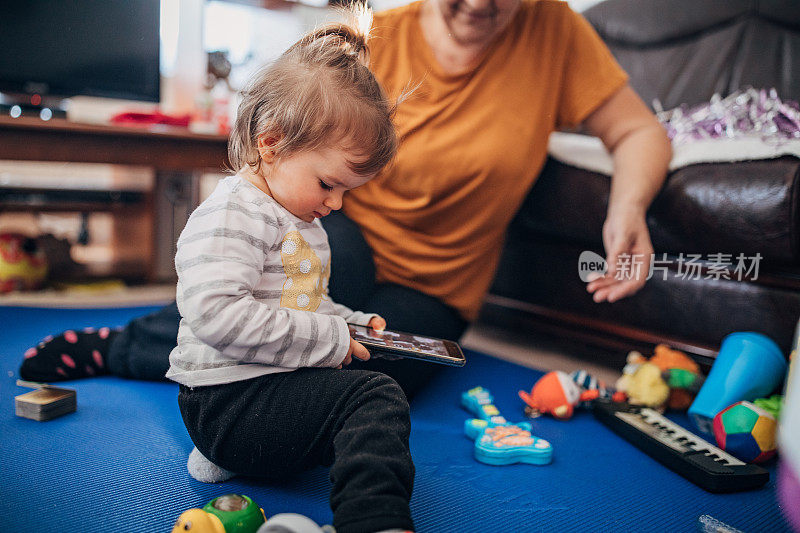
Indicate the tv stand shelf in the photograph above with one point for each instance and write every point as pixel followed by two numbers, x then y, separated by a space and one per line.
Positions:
pixel 161 147
pixel 178 156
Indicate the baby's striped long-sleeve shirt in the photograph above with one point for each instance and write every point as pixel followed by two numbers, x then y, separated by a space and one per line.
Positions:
pixel 253 291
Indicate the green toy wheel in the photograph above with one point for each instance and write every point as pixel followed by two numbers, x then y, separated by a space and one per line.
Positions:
pixel 237 513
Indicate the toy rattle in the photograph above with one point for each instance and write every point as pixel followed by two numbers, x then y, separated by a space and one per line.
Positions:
pixel 231 513
pixel 498 442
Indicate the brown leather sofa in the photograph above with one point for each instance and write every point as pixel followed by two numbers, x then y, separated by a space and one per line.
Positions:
pixel 681 52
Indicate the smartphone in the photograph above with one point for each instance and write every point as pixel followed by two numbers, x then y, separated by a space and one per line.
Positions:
pixel 398 344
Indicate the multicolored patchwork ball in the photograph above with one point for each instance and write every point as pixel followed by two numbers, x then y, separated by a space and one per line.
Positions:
pixel 746 431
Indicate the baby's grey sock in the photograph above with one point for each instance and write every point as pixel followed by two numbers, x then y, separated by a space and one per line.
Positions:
pixel 204 470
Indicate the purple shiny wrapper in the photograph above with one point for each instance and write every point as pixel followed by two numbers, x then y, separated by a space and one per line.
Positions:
pixel 748 113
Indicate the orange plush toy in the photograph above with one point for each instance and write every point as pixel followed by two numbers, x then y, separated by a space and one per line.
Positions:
pixel 669 360
pixel 554 393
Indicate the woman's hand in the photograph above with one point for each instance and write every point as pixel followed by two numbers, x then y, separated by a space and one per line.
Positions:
pixel 641 151
pixel 629 253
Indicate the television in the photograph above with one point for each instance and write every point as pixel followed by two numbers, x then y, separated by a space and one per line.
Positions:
pixel 52 49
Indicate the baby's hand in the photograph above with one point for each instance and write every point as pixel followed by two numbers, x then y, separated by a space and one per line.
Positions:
pixel 356 350
pixel 377 323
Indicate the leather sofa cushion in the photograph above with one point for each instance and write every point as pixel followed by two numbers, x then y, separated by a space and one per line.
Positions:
pixel 744 207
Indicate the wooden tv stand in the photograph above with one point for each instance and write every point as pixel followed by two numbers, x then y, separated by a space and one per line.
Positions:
pixel 171 152
pixel 161 147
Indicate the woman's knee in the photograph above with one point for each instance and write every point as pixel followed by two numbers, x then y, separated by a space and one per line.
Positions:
pixel 407 309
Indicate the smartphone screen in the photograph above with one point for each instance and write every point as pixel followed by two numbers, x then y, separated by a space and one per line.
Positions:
pixel 402 344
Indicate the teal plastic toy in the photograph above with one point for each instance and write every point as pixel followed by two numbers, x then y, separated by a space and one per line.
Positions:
pixel 497 441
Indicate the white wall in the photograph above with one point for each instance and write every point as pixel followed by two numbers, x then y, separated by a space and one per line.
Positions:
pixel 379 5
pixel 581 5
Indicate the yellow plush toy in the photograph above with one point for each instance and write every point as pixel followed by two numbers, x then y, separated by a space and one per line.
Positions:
pixel 643 383
pixel 678 375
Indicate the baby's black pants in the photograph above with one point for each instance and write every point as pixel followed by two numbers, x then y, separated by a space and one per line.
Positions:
pixel 355 421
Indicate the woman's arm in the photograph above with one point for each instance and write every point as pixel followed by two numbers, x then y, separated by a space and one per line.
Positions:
pixel 641 151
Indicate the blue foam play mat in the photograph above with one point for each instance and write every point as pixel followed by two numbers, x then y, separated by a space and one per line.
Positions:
pixel 118 463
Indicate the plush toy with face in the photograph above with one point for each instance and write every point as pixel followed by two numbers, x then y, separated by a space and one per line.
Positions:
pixel 555 393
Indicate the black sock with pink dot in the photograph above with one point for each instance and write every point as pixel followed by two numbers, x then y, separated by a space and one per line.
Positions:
pixel 71 355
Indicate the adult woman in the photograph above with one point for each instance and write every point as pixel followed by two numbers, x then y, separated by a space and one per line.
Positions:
pixel 490 80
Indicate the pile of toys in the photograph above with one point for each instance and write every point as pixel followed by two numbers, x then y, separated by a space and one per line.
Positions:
pixel 668 379
pixel 732 403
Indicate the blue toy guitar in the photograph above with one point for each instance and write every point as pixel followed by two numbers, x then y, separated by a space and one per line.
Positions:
pixel 498 442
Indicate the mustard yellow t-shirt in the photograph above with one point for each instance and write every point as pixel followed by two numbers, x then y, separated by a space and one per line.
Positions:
pixel 472 144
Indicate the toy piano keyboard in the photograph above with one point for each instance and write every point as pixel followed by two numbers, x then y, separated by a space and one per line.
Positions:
pixel 687 454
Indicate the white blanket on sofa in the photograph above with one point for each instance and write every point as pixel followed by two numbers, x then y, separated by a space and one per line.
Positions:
pixel 587 152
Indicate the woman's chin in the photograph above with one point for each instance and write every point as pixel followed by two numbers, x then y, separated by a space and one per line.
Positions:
pixel 477 32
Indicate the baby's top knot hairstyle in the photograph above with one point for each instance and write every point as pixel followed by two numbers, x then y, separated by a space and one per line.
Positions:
pixel 319 93
pixel 352 42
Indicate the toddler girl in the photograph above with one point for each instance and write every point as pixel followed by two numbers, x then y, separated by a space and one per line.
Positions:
pixel 260 344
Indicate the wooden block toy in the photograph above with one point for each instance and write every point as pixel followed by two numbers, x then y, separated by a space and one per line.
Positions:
pixel 45 402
